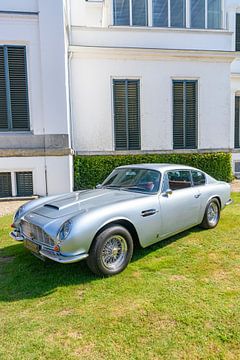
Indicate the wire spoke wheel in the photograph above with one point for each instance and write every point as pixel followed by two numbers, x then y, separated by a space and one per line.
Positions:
pixel 114 252
pixel 111 251
pixel 213 214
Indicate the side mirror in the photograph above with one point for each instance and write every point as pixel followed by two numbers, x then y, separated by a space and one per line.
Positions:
pixel 167 193
pixel 98 186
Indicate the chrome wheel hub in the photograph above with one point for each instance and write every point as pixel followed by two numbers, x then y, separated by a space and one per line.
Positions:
pixel 114 252
pixel 213 213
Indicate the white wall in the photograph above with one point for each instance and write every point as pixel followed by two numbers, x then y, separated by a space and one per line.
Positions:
pixel 92 99
pixel 16 5
pixel 165 38
pixel 85 13
pixel 53 66
pixel 44 35
pixel 58 170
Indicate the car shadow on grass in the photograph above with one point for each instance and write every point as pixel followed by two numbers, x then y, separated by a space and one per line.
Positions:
pixel 23 276
pixel 142 252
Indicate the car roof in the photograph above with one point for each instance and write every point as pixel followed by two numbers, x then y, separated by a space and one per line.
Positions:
pixel 159 167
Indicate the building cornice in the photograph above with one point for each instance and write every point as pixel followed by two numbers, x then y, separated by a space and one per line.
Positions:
pixel 35 152
pixel 149 29
pixel 18 15
pixel 145 152
pixel 135 53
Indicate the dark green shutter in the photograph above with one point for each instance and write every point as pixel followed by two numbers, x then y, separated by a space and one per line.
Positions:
pixel 133 115
pixel 14 111
pixel 237 122
pixel 190 115
pixel 5 185
pixel 120 115
pixel 18 87
pixel 24 184
pixel 178 115
pixel 237 32
pixel 3 101
pixel 126 114
pixel 185 114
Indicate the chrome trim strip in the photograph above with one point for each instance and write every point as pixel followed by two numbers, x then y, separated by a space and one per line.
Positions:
pixel 63 259
pixel 229 202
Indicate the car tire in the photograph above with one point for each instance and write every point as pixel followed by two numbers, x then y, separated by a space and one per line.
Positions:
pixel 111 251
pixel 211 215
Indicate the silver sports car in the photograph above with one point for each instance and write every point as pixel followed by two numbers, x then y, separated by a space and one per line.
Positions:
pixel 136 204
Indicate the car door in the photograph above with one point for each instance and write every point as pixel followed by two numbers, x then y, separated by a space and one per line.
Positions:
pixel 179 202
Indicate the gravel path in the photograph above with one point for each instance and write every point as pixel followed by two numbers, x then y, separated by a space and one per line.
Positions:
pixel 236 186
pixel 8 207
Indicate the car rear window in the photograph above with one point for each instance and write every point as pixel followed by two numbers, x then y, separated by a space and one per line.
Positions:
pixel 198 178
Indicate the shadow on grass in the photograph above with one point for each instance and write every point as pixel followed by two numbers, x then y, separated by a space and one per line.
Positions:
pixel 23 276
pixel 140 252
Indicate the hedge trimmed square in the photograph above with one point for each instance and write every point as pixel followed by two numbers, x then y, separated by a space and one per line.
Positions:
pixel 92 170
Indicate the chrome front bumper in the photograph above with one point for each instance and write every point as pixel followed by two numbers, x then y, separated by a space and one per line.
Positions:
pixel 229 202
pixel 61 258
pixel 45 252
pixel 15 235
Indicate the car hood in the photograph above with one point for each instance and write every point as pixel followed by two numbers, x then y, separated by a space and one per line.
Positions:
pixel 82 201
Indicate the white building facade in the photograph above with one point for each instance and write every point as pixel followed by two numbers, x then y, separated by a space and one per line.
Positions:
pixel 113 77
pixel 35 145
pixel 155 76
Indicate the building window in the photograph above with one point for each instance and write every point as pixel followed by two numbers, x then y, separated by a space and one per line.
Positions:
pixel 24 183
pixel 160 13
pixel 197 14
pixel 237 122
pixel 130 12
pixel 185 114
pixel 169 13
pixel 5 185
pixel 126 98
pixel 16 184
pixel 237 32
pixel 237 169
pixel 200 14
pixel 14 114
pixel 178 13
pixel 214 14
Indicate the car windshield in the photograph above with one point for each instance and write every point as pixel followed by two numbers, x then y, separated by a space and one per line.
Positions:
pixel 133 179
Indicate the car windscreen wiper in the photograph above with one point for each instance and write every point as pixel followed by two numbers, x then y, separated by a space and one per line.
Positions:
pixel 135 187
pixel 112 187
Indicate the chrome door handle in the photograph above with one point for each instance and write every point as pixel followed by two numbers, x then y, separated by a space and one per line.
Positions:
pixel 149 212
pixel 197 196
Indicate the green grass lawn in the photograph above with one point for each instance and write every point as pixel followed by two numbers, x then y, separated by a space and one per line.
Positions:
pixel 178 299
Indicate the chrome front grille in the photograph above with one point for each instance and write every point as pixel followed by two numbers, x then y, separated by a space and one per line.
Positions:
pixel 34 232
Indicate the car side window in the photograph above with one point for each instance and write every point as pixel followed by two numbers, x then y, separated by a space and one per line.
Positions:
pixel 165 184
pixel 198 178
pixel 179 179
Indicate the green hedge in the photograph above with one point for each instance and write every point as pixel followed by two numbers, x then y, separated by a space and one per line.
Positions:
pixel 92 170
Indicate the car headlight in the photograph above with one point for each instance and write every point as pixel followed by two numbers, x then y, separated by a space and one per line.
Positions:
pixel 19 213
pixel 65 230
